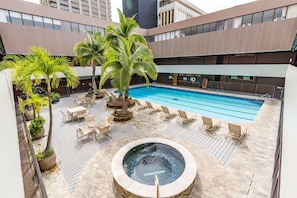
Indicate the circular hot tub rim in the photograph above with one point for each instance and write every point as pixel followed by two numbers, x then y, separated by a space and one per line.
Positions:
pixel 181 185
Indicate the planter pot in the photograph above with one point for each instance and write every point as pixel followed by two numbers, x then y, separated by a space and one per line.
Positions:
pixel 47 163
pixel 29 114
pixel 120 117
pixel 39 135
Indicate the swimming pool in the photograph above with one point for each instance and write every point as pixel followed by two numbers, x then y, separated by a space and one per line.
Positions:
pixel 227 108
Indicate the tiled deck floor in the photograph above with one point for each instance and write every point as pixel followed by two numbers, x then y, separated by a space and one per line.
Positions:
pixel 225 168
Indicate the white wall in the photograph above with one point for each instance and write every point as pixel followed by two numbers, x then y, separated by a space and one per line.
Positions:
pixel 288 186
pixel 11 179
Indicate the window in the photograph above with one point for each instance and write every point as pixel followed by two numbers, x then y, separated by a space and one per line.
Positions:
pixel 292 11
pixel 237 22
pixel 74 27
pixel 188 31
pixel 220 25
pixel 247 20
pixel 38 22
pixel 257 18
pixel 278 13
pixel 57 24
pixel 89 28
pixel 194 30
pixel 4 16
pixel 82 28
pixel 268 15
pixel 28 19
pixel 206 28
pixel 67 26
pixel 16 17
pixel 48 23
pixel 200 29
pixel 228 24
pixel 212 27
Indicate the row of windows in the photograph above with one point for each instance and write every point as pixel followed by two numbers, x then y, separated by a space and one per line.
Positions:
pixel 44 22
pixel 246 20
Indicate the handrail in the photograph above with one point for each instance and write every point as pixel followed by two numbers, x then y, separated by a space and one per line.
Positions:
pixel 157 186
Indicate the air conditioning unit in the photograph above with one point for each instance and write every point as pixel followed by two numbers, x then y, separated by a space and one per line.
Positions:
pixel 246 24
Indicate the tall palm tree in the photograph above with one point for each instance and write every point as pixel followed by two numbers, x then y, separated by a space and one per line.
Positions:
pixel 91 51
pixel 39 66
pixel 123 63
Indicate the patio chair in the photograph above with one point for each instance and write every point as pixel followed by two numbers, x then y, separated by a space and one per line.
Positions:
pixel 151 108
pixel 110 120
pixel 103 130
pixel 166 113
pixel 140 106
pixel 184 118
pixel 84 132
pixel 78 115
pixel 236 131
pixel 208 124
pixel 89 118
pixel 66 117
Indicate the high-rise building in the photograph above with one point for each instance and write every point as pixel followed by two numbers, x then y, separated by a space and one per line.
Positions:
pixel 145 12
pixel 171 11
pixel 100 9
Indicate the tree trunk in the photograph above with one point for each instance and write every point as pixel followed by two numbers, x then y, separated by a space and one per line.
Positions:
pixel 49 135
pixel 125 102
pixel 93 76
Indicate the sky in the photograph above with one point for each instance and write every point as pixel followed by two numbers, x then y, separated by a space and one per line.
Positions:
pixel 206 5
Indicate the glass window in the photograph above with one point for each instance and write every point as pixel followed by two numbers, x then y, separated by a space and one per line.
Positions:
pixel 102 30
pixel 278 13
pixel 38 22
pixel 67 26
pixel 168 35
pixel 28 19
pixel 228 24
pixel 237 22
pixel 57 24
pixel 74 27
pixel 16 17
pixel 194 30
pixel 182 32
pixel 257 18
pixel 4 16
pixel 82 28
pixel 268 15
pixel 212 27
pixel 163 36
pixel 89 29
pixel 188 31
pixel 220 25
pixel 200 29
pixel 292 12
pixel 48 23
pixel 172 35
pixel 206 28
pixel 247 20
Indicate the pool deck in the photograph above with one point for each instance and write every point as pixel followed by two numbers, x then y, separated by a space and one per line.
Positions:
pixel 225 168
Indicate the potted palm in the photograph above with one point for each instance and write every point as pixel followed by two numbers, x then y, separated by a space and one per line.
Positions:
pixel 127 55
pixel 42 67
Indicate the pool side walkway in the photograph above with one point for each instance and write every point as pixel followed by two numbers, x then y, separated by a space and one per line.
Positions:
pixel 225 168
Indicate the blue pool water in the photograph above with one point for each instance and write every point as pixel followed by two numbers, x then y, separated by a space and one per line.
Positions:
pixel 221 107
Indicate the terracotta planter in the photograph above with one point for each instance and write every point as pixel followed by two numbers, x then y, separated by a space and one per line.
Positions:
pixel 47 163
pixel 120 117
pixel 39 135
pixel 29 114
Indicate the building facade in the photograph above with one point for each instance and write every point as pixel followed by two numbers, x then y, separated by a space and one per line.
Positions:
pixel 100 9
pixel 172 11
pixel 248 45
pixel 145 12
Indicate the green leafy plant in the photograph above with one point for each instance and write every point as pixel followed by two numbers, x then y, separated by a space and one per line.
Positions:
pixel 55 97
pixel 44 154
pixel 36 125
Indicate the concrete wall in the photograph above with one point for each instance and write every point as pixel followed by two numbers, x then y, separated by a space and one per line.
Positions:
pixel 289 146
pixel 11 179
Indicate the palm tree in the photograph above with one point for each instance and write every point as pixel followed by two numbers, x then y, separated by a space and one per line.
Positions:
pixel 39 66
pixel 126 58
pixel 91 51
